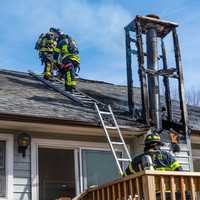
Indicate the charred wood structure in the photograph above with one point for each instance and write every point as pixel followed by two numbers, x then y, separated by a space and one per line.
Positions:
pixel 147 34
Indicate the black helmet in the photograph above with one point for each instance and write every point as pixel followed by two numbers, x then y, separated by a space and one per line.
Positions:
pixel 50 35
pixel 152 137
pixel 54 30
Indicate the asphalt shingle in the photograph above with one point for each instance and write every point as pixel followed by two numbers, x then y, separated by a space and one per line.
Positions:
pixel 22 94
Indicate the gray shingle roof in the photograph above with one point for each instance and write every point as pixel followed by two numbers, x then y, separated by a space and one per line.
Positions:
pixel 22 94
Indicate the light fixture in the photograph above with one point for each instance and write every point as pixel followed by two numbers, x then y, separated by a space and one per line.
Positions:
pixel 23 141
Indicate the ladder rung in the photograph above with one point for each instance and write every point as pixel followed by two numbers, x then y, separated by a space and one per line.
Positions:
pixel 85 99
pixel 56 83
pixel 117 143
pixel 124 159
pixel 81 97
pixel 78 95
pixel 111 127
pixel 89 102
pixel 105 113
pixel 58 86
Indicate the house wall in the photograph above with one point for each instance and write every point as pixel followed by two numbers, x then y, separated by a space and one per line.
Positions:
pixel 22 174
pixel 196 151
pixel 22 165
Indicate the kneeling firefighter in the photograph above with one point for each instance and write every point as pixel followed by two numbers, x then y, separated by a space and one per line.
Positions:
pixel 153 157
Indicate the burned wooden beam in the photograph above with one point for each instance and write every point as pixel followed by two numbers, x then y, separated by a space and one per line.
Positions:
pixel 166 84
pixel 183 106
pixel 129 72
pixel 142 75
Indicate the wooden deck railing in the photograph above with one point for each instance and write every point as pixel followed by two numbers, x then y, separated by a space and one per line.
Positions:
pixel 148 185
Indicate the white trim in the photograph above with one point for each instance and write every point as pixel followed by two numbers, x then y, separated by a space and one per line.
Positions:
pixel 34 171
pixel 81 170
pixel 69 144
pixel 9 165
pixel 77 183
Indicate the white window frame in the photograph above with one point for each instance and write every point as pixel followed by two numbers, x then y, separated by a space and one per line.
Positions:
pixel 62 144
pixel 9 165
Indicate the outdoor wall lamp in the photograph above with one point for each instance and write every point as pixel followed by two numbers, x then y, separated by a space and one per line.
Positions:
pixel 23 141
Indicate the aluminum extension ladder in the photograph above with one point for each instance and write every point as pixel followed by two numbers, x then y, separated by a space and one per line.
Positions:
pixel 121 143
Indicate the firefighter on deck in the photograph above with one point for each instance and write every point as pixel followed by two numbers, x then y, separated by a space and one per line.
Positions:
pixel 153 157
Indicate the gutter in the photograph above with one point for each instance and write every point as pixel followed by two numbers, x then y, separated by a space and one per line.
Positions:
pixel 60 121
pixel 44 120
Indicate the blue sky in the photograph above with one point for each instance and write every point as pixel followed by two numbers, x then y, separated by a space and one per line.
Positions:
pixel 98 28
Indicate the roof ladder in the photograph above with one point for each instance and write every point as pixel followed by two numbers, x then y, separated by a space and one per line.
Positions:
pixel 77 96
pixel 126 158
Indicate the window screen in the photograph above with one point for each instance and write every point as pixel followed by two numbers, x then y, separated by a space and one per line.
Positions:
pixel 2 169
pixel 196 164
pixel 98 167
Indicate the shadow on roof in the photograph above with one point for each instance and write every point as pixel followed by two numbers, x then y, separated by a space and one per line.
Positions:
pixel 51 100
pixel 105 98
pixel 16 74
pixel 28 83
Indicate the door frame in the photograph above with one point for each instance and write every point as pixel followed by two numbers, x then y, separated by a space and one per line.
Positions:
pixel 9 159
pixel 53 144
pixel 77 146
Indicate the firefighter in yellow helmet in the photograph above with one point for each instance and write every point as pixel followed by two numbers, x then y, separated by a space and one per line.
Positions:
pixel 70 61
pixel 45 45
pixel 153 157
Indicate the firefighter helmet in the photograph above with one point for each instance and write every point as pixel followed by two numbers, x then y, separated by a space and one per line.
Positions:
pixel 152 137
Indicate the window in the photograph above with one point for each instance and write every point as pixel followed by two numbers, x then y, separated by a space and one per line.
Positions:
pixel 98 167
pixel 2 169
pixel 196 164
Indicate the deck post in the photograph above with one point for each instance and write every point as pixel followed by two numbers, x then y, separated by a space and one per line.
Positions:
pixel 149 188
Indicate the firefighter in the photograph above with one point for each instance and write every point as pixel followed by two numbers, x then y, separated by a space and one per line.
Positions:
pixel 58 33
pixel 45 45
pixel 70 61
pixel 153 156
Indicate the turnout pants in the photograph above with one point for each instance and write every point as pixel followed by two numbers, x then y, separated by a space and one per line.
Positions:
pixel 47 60
pixel 68 69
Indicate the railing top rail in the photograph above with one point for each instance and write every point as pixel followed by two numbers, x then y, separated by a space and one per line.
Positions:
pixel 138 176
pixel 171 173
pixel 146 172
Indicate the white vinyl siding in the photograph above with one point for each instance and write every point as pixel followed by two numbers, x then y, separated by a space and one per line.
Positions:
pixel 22 174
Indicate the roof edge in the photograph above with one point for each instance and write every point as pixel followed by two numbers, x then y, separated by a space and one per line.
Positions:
pixel 44 120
